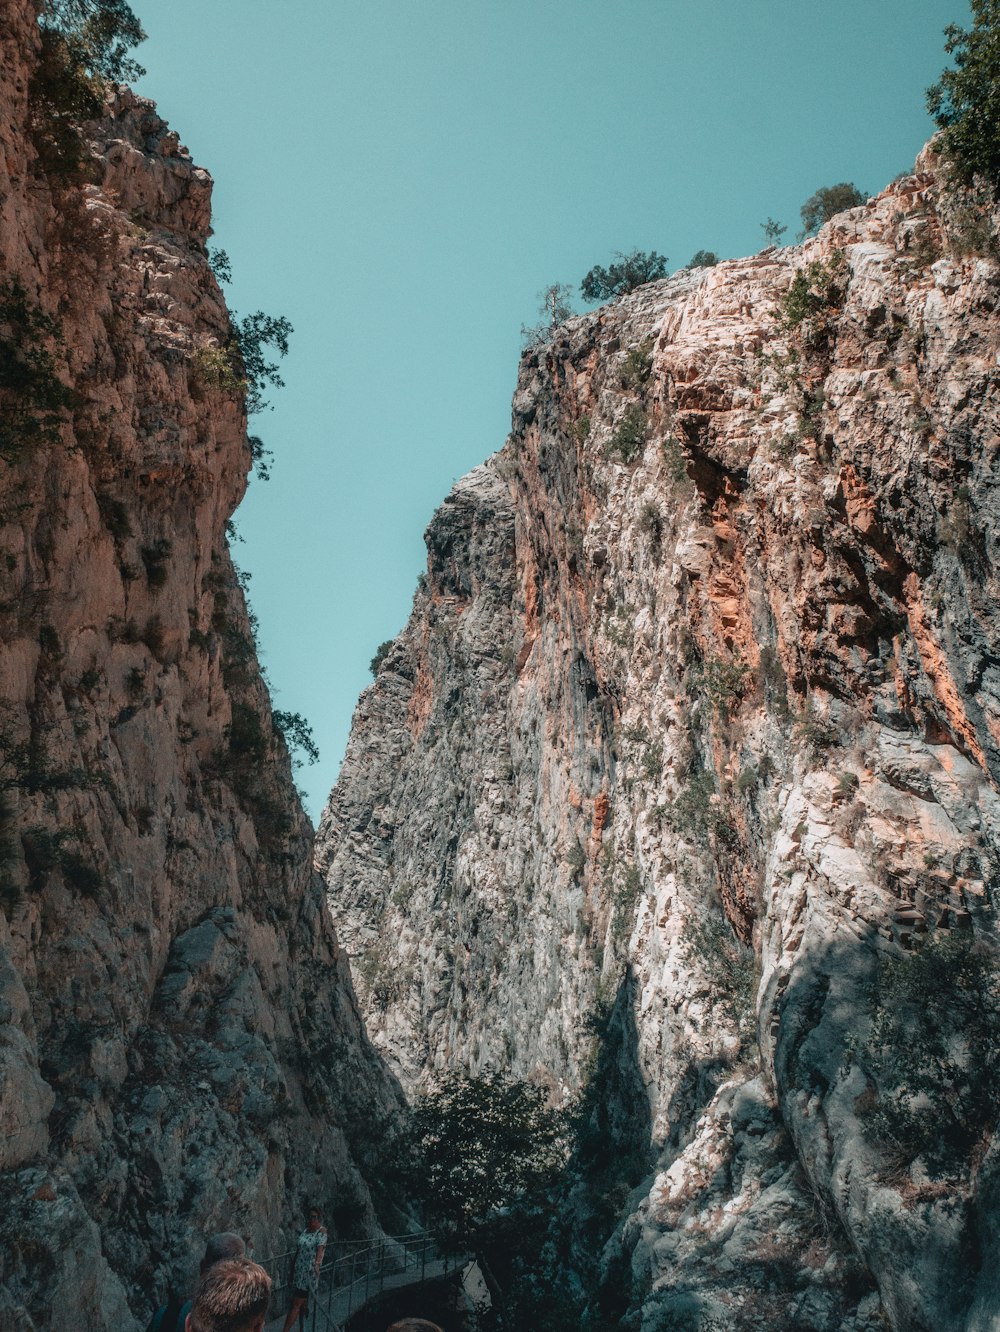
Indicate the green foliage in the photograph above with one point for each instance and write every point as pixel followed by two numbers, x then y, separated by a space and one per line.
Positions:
pixel 638 365
pixel 728 963
pixel 847 785
pixel 98 34
pixel 155 558
pixel 773 231
pixel 674 460
pixel 580 429
pixel 83 43
pixel 934 1051
pixel 576 858
pixel 629 438
pixel 555 307
pixel 723 681
pixel 34 400
pixel 815 289
pixel 251 337
pixel 631 271
pixel 242 365
pixel 965 101
pixel 693 813
pixel 381 652
pixel 297 735
pixel 245 736
pixel 703 259
pixel 260 458
pixel 476 1145
pixel 828 202
pixel 215 368
pixel 218 262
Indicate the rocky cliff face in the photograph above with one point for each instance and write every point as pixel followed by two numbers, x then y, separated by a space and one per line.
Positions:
pixel 179 1045
pixel 696 723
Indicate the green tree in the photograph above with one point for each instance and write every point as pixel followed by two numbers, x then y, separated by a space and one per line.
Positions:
pixel 773 231
pixel 97 34
pixel 703 259
pixel 476 1147
pixel 297 735
pixel 934 1050
pixel 554 306
pixel 632 270
pixel 826 203
pixel 381 652
pixel 83 43
pixel 965 101
pixel 251 335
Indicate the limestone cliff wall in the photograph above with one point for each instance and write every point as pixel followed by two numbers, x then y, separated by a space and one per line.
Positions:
pixel 179 1044
pixel 696 719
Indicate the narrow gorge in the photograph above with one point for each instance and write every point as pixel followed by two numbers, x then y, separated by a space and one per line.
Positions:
pixel 676 796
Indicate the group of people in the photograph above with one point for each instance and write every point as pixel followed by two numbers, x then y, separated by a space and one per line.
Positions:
pixel 233 1292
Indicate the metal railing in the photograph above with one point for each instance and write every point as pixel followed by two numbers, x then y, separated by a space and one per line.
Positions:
pixel 356 1271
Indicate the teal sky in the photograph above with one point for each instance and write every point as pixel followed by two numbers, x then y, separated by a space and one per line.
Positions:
pixel 402 177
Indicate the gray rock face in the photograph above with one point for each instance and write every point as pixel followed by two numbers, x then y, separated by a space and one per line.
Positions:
pixel 180 1050
pixel 700 689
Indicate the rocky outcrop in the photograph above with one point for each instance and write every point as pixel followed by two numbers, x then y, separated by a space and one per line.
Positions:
pixel 701 687
pixel 180 1049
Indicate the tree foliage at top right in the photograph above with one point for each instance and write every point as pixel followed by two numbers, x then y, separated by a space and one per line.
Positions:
pixel 965 101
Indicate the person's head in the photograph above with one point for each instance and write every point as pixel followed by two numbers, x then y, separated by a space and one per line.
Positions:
pixel 221 1246
pixel 232 1296
pixel 314 1218
pixel 413 1325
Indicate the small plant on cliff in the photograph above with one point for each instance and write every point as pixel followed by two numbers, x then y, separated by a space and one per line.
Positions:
pixel 828 202
pixel 297 735
pixel 629 438
pixel 555 307
pixel 703 259
pixel 241 365
pixel 934 1052
pixel 815 289
pixel 34 399
pixel 727 962
pixel 381 652
pixel 638 366
pixel 965 101
pixel 631 271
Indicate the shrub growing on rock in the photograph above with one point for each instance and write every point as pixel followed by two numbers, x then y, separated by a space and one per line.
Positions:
pixel 828 202
pixel 632 270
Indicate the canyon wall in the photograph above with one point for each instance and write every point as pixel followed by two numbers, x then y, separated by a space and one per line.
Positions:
pixel 694 731
pixel 180 1049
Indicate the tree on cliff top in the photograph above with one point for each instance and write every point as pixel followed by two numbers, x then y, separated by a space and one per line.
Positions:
pixel 632 270
pixel 98 35
pixel 828 202
pixel 965 101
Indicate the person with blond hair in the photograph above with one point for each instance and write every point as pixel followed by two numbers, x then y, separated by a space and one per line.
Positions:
pixel 232 1296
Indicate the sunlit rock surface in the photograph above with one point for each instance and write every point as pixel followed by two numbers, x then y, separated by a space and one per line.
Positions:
pixel 699 705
